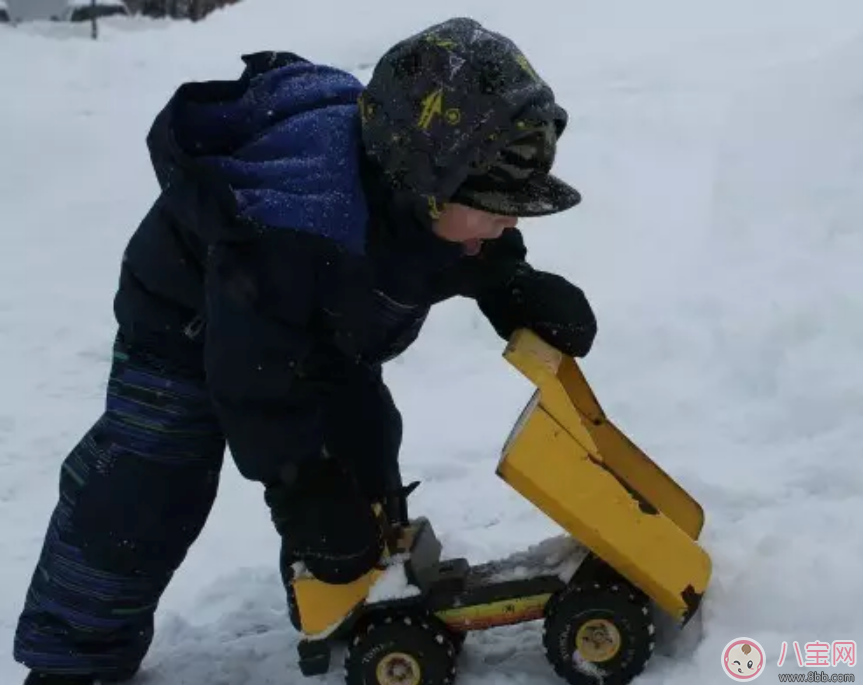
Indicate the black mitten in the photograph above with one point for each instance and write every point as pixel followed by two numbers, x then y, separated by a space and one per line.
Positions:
pixel 325 521
pixel 547 304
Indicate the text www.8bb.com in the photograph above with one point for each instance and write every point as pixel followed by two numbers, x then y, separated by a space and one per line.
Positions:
pixel 816 677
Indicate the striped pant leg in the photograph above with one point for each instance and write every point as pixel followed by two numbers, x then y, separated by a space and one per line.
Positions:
pixel 134 495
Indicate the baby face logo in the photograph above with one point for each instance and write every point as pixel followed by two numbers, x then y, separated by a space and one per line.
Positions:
pixel 743 659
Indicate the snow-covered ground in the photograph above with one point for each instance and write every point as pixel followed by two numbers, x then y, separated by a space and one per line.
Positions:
pixel 719 147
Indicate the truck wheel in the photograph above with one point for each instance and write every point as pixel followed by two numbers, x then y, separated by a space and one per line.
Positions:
pixel 401 650
pixel 457 637
pixel 599 632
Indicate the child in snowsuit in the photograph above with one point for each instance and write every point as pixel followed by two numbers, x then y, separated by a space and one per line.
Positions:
pixel 305 226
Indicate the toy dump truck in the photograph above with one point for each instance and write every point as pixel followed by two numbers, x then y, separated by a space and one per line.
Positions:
pixel 630 553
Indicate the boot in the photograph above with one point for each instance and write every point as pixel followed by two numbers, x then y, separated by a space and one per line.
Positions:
pixel 395 504
pixel 38 678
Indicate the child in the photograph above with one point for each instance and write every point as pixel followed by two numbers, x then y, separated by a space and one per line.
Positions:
pixel 304 228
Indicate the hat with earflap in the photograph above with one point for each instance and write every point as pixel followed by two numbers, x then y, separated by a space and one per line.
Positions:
pixel 457 113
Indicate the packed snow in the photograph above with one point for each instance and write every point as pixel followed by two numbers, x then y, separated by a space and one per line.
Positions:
pixel 393 584
pixel 719 148
pixel 559 556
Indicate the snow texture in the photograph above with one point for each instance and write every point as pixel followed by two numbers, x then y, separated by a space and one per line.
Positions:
pixel 719 149
pixel 393 584
pixel 558 556
pixel 588 669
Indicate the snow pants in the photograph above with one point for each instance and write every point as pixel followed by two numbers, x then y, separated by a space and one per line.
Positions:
pixel 134 495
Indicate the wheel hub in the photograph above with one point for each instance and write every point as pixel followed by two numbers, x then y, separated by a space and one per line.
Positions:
pixel 398 668
pixel 598 640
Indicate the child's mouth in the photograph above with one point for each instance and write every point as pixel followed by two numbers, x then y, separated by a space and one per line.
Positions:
pixel 473 246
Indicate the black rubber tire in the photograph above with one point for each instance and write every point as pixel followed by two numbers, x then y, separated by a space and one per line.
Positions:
pixel 615 602
pixel 595 570
pixel 458 639
pixel 422 638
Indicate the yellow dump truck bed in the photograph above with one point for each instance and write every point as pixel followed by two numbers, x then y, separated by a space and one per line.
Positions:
pixel 576 466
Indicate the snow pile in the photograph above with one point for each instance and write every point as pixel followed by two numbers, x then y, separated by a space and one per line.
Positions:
pixel 720 152
pixel 588 668
pixel 558 556
pixel 392 584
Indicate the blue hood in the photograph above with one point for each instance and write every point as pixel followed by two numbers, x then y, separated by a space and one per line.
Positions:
pixel 287 140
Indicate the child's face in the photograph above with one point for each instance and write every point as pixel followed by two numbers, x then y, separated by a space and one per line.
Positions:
pixel 469 226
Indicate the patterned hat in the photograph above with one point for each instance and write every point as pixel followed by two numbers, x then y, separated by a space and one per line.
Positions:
pixel 518 181
pixel 457 113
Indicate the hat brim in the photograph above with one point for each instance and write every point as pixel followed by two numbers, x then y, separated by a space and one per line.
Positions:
pixel 536 196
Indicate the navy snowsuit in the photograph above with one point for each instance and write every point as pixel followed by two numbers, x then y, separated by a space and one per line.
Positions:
pixel 257 301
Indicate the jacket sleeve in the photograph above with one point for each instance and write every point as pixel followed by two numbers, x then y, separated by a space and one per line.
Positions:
pixel 487 273
pixel 269 376
pixel 512 294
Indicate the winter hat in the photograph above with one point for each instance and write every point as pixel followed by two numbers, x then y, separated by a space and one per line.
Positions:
pixel 518 181
pixel 456 112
